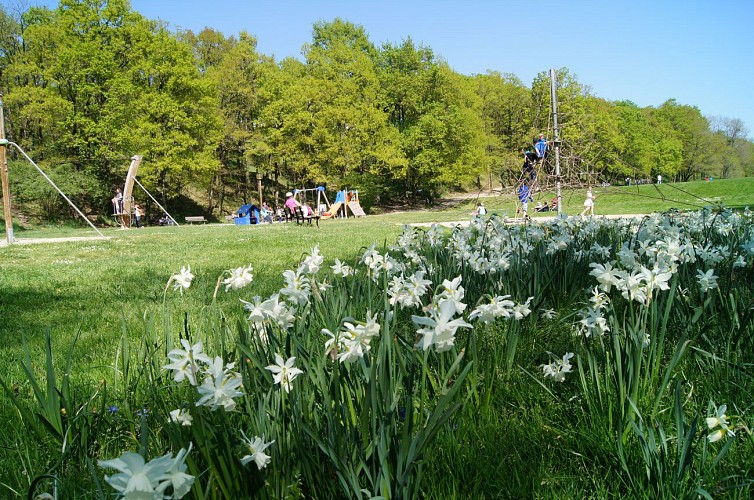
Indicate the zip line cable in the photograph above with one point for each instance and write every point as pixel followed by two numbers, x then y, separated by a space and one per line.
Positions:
pixel 58 189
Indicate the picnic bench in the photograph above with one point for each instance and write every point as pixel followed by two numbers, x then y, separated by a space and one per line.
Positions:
pixel 196 218
pixel 298 213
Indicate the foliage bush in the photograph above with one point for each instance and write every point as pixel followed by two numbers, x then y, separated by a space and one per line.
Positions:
pixel 31 189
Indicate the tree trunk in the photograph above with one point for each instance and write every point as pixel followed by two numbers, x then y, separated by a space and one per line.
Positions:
pixel 211 193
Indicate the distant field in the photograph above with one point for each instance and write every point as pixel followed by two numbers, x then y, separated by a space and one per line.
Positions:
pixel 732 193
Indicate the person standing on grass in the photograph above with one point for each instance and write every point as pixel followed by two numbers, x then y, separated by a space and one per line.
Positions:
pixel 265 213
pixel 137 215
pixel 588 203
pixel 524 196
pixel 117 202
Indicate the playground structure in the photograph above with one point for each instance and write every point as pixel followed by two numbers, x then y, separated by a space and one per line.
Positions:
pixel 321 205
pixel 532 171
pixel 124 213
pixel 543 173
pixel 345 200
pixel 247 214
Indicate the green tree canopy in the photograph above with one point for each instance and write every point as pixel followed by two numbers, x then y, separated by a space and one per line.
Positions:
pixel 92 82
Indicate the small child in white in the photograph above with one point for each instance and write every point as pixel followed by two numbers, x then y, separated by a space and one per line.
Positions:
pixel 588 203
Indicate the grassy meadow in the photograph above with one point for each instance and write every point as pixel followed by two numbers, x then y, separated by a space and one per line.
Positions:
pixel 475 419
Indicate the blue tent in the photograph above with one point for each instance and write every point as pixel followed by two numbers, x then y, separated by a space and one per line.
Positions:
pixel 247 214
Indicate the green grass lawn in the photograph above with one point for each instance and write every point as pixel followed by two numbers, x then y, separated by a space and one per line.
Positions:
pixel 103 288
pixel 93 286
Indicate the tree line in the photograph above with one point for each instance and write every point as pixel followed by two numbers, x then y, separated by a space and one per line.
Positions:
pixel 93 82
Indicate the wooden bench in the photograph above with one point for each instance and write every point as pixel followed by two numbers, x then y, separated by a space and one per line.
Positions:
pixel 196 218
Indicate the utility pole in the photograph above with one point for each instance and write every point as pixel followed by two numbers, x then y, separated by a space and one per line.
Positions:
pixel 554 98
pixel 4 175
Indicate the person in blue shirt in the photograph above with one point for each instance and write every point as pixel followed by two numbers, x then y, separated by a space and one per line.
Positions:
pixel 265 213
pixel 541 147
pixel 524 196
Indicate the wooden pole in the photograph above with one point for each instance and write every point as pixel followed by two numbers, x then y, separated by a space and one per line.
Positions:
pixel 259 189
pixel 4 175
pixel 554 97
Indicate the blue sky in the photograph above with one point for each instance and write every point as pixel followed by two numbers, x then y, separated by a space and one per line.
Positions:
pixel 646 51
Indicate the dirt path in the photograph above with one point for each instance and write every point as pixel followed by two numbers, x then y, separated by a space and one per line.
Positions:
pixel 32 241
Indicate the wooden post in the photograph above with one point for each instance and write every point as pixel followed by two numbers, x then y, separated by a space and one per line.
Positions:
pixel 4 175
pixel 259 188
pixel 554 97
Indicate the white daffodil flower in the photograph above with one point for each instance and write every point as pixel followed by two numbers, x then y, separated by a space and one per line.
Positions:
pixel 707 280
pixel 182 280
pixel 136 479
pixel 298 287
pixel 239 278
pixel 605 275
pixel 182 417
pixel 185 361
pixel 558 368
pixel 283 372
pixel 176 476
pixel 312 263
pixel 719 420
pixel 220 387
pixel 499 307
pixel 256 447
pixel 548 314
pixel 341 269
pixel 440 326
